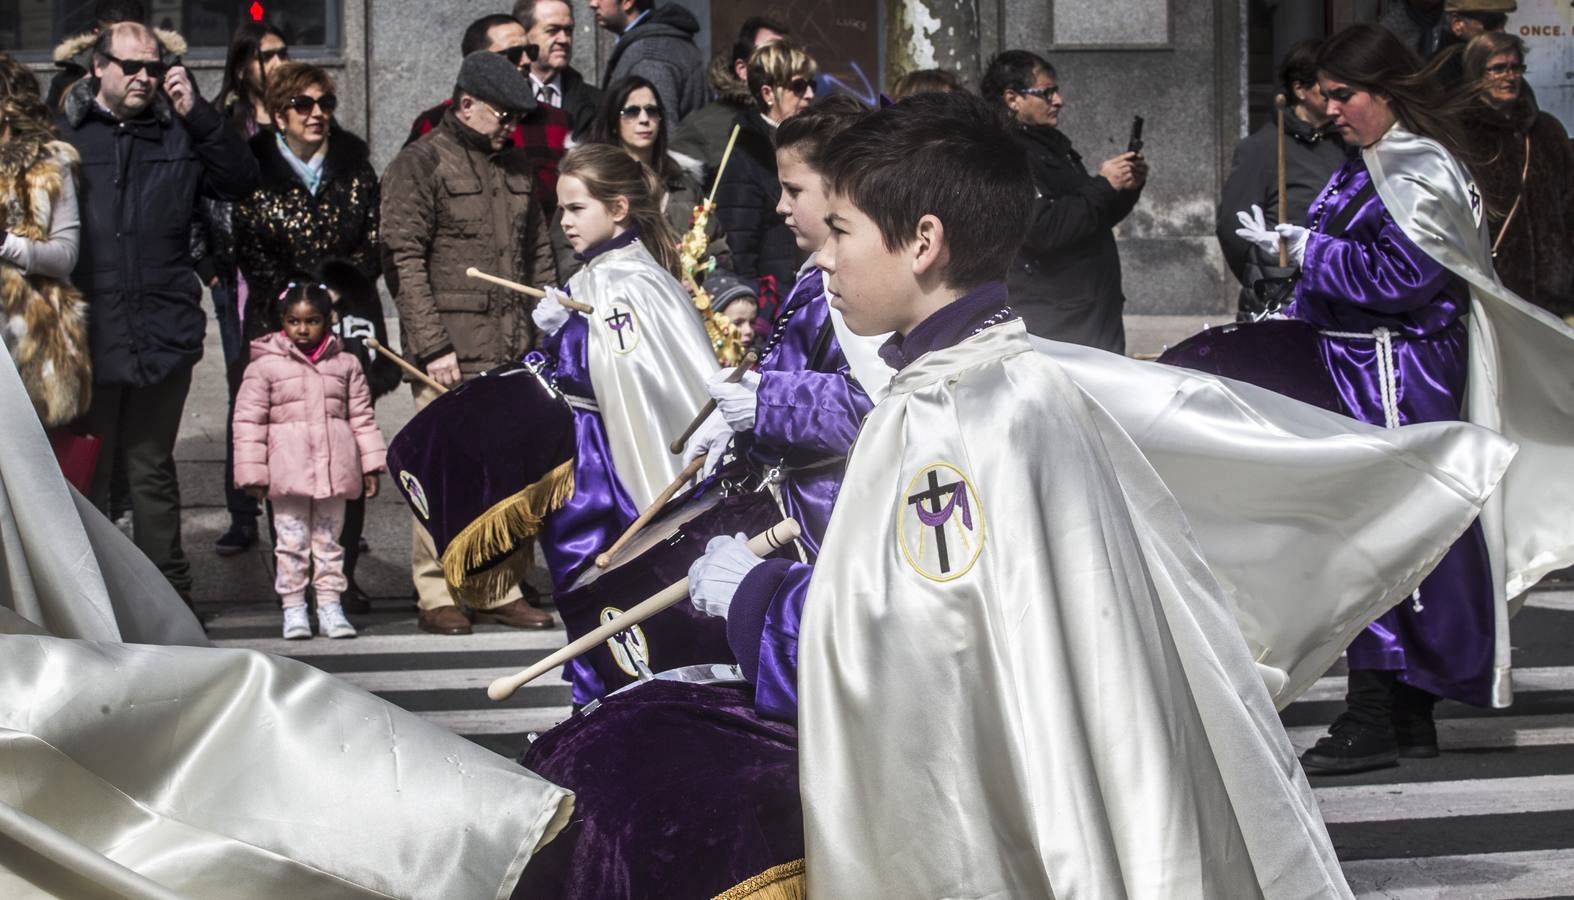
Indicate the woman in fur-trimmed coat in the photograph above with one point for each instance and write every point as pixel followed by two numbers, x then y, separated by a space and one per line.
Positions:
pixel 45 318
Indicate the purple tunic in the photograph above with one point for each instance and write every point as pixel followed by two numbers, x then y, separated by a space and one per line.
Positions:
pixel 600 508
pixel 1374 277
pixel 763 622
pixel 809 411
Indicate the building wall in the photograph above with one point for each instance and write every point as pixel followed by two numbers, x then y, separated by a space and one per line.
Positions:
pixel 1177 63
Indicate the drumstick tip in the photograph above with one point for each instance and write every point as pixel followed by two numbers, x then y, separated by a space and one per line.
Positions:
pixel 472 272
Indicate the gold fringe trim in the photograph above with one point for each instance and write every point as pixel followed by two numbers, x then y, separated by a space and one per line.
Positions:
pixel 504 528
pixel 783 882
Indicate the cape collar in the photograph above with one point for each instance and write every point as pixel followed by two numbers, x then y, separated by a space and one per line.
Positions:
pixel 956 321
pixel 629 236
pixel 988 345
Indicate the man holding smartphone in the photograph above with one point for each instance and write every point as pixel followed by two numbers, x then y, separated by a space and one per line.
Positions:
pixel 1065 281
pixel 149 144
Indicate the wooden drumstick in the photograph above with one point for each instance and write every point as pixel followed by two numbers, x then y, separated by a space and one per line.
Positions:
pixel 417 374
pixel 780 534
pixel 1284 247
pixel 710 405
pixel 689 471
pixel 527 290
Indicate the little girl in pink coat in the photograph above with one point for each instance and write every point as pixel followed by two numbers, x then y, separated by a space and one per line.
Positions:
pixel 305 439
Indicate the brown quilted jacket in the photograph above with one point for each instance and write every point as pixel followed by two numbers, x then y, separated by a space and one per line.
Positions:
pixel 449 203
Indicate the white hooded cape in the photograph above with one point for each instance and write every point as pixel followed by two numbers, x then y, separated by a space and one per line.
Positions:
pixel 133 770
pixel 1521 375
pixel 649 374
pixel 1035 688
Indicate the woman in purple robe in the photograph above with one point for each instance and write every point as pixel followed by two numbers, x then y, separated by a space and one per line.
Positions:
pixel 1393 335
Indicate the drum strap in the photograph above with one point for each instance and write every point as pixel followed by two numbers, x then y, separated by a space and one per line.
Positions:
pixel 822 345
pixel 1347 214
pixel 582 403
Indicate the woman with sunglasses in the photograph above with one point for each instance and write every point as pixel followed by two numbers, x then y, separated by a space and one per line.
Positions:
pixel 631 117
pixel 1525 170
pixel 256 51
pixel 781 81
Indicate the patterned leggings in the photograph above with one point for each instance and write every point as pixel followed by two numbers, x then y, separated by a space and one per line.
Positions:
pixel 306 531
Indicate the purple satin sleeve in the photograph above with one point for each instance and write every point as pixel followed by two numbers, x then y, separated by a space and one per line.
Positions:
pixel 818 412
pixel 1389 274
pixel 569 350
pixel 762 628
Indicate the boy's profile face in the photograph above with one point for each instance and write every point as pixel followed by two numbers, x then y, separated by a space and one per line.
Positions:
pixel 872 286
pixel 803 199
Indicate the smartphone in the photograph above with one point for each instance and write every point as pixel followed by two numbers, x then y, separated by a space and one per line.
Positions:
pixel 1135 144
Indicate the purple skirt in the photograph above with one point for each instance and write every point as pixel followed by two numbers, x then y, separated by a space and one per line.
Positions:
pixel 681 791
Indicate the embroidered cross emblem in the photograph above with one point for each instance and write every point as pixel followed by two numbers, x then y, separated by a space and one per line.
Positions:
pixel 618 322
pixel 937 516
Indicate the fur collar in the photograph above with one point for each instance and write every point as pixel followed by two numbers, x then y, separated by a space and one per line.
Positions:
pixel 80 103
pixel 346 154
pixel 71 50
pixel 17 157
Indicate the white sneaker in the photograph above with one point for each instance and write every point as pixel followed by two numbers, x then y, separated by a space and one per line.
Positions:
pixel 331 621
pixel 297 627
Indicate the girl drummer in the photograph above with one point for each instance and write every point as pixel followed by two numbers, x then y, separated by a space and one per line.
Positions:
pixel 634 368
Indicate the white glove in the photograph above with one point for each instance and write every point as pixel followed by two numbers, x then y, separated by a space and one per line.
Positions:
pixel 710 441
pixel 1255 231
pixel 735 402
pixel 1295 239
pixel 714 577
pixel 550 315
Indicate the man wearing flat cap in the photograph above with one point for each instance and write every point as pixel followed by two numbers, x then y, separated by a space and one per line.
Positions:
pixel 462 196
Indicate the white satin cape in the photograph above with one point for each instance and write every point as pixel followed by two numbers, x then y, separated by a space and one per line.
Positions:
pixel 132 770
pixel 1313 523
pixel 649 387
pixel 1065 711
pixel 1521 373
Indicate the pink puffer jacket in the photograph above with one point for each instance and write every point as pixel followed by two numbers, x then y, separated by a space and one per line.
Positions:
pixel 304 429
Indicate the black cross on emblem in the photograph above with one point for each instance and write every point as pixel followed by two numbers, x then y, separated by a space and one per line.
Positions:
pixel 933 496
pixel 619 320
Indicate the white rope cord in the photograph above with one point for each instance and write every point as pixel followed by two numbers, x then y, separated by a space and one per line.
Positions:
pixel 1388 386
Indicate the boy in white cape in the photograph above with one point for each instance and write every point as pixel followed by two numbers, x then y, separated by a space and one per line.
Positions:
pixel 1016 675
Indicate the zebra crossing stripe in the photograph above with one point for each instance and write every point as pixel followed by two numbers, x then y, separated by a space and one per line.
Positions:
pixel 1526 681
pixel 1445 799
pixel 1562 601
pixel 442 679
pixel 497 721
pixel 1484 876
pixel 402 643
pixel 1486 733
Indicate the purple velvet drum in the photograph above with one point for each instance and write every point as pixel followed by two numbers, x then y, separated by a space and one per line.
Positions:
pixel 1282 355
pixel 660 555
pixel 1388 324
pixel 681 791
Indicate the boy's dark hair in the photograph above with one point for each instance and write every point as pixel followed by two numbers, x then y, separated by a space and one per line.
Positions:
pixel 811 131
pixel 475 35
pixel 1014 70
pixel 110 12
pixel 1299 67
pixel 946 155
pixel 743 47
pixel 302 287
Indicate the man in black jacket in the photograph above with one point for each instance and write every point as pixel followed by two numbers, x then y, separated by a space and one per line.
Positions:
pixel 1065 281
pixel 149 146
pixel 549 25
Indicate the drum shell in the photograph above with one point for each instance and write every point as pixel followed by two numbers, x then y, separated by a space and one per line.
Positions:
pixel 680 790
pixel 679 635
pixel 1282 355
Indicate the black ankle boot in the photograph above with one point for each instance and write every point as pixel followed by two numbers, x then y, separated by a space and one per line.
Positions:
pixel 1362 738
pixel 1414 730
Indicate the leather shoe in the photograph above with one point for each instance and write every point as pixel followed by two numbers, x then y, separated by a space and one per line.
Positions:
pixel 1352 746
pixel 444 620
pixel 517 614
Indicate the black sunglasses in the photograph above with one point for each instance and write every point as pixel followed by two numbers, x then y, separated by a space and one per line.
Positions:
pixel 632 111
pixel 303 103
pixel 133 67
pixel 266 56
pixel 515 54
pixel 1043 93
pixel 799 85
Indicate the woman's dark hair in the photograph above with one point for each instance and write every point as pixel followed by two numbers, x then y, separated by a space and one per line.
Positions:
pixel 606 127
pixel 1299 66
pixel 946 155
pixel 926 81
pixel 1011 70
pixel 21 107
pixel 609 172
pixel 812 130
pixel 302 287
pixel 1479 52
pixel 243 50
pixel 1369 58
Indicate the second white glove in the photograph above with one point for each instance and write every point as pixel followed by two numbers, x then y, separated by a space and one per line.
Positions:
pixel 714 577
pixel 1255 231
pixel 737 403
pixel 550 315
pixel 710 441
pixel 1295 239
